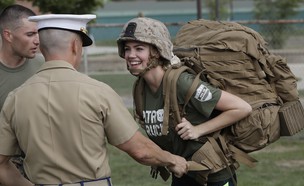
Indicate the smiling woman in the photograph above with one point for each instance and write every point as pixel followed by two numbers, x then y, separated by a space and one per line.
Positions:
pixel 146 46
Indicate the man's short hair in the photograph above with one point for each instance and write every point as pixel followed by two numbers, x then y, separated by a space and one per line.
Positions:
pixel 11 17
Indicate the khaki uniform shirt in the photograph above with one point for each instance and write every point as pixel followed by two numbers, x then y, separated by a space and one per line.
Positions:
pixel 62 119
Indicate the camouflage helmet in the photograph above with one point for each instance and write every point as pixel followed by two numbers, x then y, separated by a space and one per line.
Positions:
pixel 149 31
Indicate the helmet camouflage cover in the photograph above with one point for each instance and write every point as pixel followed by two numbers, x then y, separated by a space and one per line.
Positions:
pixel 149 31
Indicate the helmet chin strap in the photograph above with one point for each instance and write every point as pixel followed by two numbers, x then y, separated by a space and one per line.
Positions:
pixel 140 72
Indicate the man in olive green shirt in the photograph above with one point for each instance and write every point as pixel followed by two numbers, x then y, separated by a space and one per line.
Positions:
pixel 20 43
pixel 18 48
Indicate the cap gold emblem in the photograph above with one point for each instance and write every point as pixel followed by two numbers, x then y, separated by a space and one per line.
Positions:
pixel 84 30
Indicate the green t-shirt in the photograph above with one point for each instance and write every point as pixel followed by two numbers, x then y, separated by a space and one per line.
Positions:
pixel 11 78
pixel 199 109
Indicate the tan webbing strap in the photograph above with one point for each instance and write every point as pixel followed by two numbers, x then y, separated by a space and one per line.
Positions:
pixel 221 55
pixel 174 101
pixel 238 65
pixel 267 71
pixel 242 157
pixel 194 166
pixel 166 86
pixel 219 151
pixel 164 79
pixel 138 98
pixel 224 145
pixel 258 69
pixel 191 90
pixel 231 55
pixel 211 54
pixel 237 154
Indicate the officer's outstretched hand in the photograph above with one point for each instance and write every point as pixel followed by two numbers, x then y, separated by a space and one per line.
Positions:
pixel 180 167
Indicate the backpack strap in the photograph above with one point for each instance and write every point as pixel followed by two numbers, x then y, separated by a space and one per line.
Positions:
pixel 138 88
pixel 169 93
pixel 227 151
pixel 191 90
pixel 223 156
pixel 242 157
pixel 174 101
pixel 170 96
pixel 237 154
pixel 166 93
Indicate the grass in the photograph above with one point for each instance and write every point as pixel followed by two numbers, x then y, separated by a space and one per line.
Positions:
pixel 106 43
pixel 121 83
pixel 301 93
pixel 280 164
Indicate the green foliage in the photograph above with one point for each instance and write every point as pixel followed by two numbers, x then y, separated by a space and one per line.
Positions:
pixel 223 12
pixel 301 93
pixel 275 10
pixel 67 6
pixel 278 9
pixel 5 3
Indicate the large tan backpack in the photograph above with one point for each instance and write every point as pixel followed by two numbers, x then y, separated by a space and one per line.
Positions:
pixel 235 58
